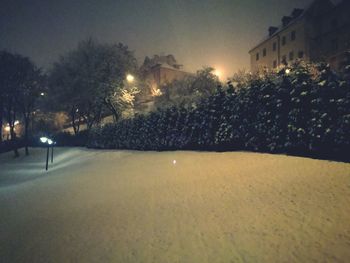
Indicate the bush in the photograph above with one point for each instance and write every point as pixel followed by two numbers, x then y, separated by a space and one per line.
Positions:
pixel 305 111
pixel 68 139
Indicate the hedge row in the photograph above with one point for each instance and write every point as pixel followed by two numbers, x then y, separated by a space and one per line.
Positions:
pixel 304 111
pixel 68 139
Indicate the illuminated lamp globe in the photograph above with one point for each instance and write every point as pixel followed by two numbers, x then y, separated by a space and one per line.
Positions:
pixel 43 139
pixel 130 78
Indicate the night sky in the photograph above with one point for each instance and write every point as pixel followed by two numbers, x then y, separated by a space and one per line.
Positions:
pixel 217 33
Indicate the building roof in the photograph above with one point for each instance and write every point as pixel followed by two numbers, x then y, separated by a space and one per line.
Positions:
pixel 164 65
pixel 293 20
pixel 167 66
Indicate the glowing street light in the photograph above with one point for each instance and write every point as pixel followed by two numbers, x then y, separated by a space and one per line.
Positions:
pixel 130 78
pixel 49 143
pixel 42 94
pixel 287 71
pixel 217 73
pixel 43 139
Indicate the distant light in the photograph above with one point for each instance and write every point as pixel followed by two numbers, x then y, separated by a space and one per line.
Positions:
pixel 287 71
pixel 130 78
pixel 7 128
pixel 174 162
pixel 44 139
pixel 49 141
pixel 16 122
pixel 42 94
pixel 155 91
pixel 217 73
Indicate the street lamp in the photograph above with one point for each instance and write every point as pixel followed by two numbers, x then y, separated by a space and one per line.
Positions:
pixel 130 78
pixel 217 73
pixel 49 143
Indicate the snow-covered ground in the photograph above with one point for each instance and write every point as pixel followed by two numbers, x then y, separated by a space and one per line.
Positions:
pixel 125 206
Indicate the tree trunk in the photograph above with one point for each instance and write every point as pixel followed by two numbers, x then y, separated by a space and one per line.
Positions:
pixel 1 118
pixel 1 123
pixel 115 112
pixel 26 128
pixel 14 139
pixel 11 117
pixel 74 127
pixel 73 121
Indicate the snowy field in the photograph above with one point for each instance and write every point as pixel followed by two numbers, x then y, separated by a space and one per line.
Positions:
pixel 125 206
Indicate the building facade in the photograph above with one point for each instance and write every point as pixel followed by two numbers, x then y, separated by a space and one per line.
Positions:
pixel 157 72
pixel 161 74
pixel 321 32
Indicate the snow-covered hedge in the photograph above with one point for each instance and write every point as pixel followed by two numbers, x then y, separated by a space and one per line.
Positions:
pixel 304 110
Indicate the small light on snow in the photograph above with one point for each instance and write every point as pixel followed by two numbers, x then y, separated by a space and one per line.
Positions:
pixel 287 71
pixel 42 94
pixel 174 162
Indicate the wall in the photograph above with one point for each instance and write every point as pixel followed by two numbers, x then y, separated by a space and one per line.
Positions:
pixel 295 46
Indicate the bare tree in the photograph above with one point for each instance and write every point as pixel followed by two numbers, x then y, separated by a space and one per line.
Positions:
pixel 90 80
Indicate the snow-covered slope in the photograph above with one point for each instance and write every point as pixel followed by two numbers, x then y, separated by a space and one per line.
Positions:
pixel 124 206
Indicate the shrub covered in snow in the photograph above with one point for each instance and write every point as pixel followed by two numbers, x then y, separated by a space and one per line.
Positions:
pixel 305 110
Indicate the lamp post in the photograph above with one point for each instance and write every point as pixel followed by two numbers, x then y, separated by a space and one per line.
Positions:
pixel 48 143
pixel 52 146
pixel 47 157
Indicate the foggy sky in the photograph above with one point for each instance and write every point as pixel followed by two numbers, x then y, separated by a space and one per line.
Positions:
pixel 216 33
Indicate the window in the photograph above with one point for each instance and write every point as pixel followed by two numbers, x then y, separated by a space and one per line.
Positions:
pixel 334 44
pixel 333 60
pixel 334 23
pixel 274 46
pixel 283 41
pixel 300 54
pixel 264 52
pixel 257 56
pixel 274 64
pixel 293 35
pixel 340 66
pixel 291 55
pixel 284 59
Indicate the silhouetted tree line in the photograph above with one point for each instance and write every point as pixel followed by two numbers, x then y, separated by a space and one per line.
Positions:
pixel 303 110
pixel 87 83
pixel 21 84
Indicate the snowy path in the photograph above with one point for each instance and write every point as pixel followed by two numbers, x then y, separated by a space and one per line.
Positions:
pixel 124 206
